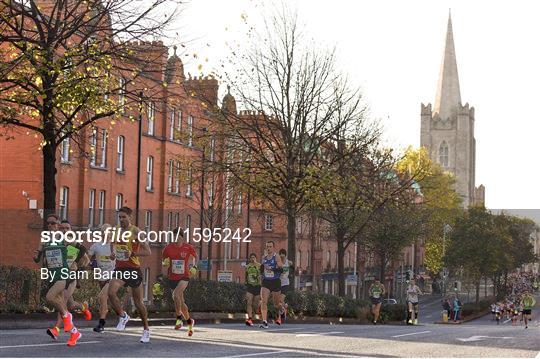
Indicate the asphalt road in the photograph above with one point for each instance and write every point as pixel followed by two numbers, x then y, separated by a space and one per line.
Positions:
pixel 303 340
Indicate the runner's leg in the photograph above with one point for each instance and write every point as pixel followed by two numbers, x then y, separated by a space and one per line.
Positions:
pixel 249 305
pixel 116 304
pixel 265 294
pixel 141 308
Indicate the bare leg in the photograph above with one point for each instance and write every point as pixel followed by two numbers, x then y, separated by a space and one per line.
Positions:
pixel 103 305
pixel 116 305
pixel 265 294
pixel 249 307
pixel 141 308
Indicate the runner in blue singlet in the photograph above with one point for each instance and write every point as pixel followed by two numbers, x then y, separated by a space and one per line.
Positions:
pixel 271 269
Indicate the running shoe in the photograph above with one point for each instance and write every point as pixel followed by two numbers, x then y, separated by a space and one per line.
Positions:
pixel 53 332
pixel 122 321
pixel 178 324
pixel 264 325
pixel 73 338
pixel 68 322
pixel 86 311
pixel 145 336
pixel 278 320
pixel 249 322
pixel 99 328
pixel 191 324
pixel 415 321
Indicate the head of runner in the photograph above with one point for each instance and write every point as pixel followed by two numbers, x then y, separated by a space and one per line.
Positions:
pixel 124 217
pixel 270 248
pixel 253 258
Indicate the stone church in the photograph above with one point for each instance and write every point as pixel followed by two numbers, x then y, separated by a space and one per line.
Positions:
pixel 447 128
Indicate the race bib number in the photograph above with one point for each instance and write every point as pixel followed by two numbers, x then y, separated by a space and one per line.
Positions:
pixel 178 266
pixel 376 295
pixel 54 258
pixel 104 259
pixel 268 273
pixel 121 253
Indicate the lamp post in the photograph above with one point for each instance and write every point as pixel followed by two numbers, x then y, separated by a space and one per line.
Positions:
pixel 446 230
pixel 201 214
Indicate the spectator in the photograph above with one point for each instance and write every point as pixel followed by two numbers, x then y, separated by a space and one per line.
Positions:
pixel 457 308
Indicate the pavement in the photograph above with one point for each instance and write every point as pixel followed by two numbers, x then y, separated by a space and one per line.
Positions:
pixel 305 340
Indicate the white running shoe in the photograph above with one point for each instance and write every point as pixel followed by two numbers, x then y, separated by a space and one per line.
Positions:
pixel 122 321
pixel 145 336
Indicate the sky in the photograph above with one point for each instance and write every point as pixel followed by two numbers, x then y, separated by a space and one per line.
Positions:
pixel 392 50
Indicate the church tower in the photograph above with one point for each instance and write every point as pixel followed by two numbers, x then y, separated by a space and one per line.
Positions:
pixel 447 128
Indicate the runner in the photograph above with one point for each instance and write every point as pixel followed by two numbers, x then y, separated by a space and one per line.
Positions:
pixel 412 302
pixel 76 259
pixel 253 287
pixel 498 310
pixel 376 292
pixel 285 282
pixel 271 268
pixel 527 303
pixel 517 311
pixel 177 269
pixel 102 253
pixel 54 258
pixel 127 270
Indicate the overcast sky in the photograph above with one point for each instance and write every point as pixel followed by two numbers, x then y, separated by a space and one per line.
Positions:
pixel 393 51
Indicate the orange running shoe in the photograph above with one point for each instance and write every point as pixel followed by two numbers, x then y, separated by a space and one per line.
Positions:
pixel 86 311
pixel 249 322
pixel 53 332
pixel 191 323
pixel 278 320
pixel 68 322
pixel 73 338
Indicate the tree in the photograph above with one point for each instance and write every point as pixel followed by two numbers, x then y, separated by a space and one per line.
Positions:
pixel 439 198
pixel 296 102
pixel 63 60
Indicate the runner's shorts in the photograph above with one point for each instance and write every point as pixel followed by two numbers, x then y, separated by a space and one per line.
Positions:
pixel 285 289
pixel 527 311
pixel 172 283
pixel 132 277
pixel 375 300
pixel 274 285
pixel 253 289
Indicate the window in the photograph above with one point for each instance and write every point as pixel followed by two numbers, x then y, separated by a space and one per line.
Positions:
pixel 212 149
pixel 148 221
pixel 91 206
pixel 122 95
pixel 177 220
pixel 169 221
pixel 443 155
pixel 328 258
pixel 103 162
pixel 189 191
pixel 64 200
pixel 239 204
pixel 178 126
pixel 211 193
pixel 149 173
pixel 170 176
pixel 171 125
pixel 177 178
pixel 308 262
pixel 101 208
pixel 146 280
pixel 299 259
pixel 188 223
pixel 64 151
pixel 93 147
pixel 228 200
pixel 120 154
pixel 118 204
pixel 151 118
pixel 190 130
pixel 268 222
pixel 347 259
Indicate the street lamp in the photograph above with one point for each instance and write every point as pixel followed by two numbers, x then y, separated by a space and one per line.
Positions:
pixel 446 230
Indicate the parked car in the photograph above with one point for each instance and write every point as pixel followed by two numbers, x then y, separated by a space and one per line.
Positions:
pixel 389 301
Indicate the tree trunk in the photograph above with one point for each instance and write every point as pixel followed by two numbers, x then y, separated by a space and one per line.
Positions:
pixel 49 180
pixel 382 273
pixel 341 269
pixel 291 243
pixel 485 286
pixel 477 284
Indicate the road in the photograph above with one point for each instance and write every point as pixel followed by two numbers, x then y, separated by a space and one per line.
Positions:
pixel 294 340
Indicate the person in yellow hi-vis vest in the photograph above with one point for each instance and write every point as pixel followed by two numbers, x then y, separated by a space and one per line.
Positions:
pixel 157 291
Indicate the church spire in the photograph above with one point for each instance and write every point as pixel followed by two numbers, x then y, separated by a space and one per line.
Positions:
pixel 448 95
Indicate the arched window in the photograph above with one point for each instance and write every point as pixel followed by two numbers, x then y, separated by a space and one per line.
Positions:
pixel 443 154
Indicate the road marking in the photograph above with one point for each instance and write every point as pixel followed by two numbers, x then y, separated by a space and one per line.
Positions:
pixel 507 320
pixel 404 335
pixel 475 338
pixel 262 353
pixel 271 330
pixel 316 334
pixel 44 345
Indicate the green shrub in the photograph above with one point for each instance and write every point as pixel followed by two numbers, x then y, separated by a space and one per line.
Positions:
pixel 393 313
pixel 19 289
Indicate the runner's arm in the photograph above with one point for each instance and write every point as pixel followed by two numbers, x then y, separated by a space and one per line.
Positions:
pixel 279 262
pixel 165 263
pixel 144 248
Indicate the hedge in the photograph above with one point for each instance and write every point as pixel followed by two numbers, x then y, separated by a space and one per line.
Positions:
pixel 21 291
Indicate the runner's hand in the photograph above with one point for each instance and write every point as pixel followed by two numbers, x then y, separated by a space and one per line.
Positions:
pixel 112 256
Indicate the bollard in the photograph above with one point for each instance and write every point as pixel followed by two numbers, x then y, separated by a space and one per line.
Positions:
pixel 445 315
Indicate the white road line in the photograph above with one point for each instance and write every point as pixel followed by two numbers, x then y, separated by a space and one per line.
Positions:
pixel 271 330
pixel 44 345
pixel 507 320
pixel 255 354
pixel 404 335
pixel 316 334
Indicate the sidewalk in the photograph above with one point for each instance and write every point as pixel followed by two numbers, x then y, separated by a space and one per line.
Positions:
pixel 43 320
